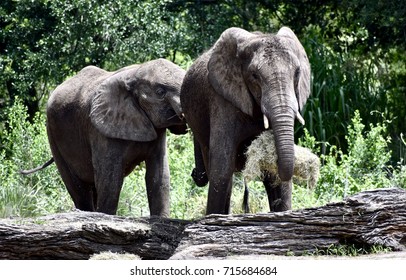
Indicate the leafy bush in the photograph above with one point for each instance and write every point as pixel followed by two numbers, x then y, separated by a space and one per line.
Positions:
pixel 345 79
pixel 399 177
pixel 25 146
pixel 365 166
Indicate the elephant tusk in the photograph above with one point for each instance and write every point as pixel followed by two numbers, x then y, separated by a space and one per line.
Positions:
pixel 300 118
pixel 266 122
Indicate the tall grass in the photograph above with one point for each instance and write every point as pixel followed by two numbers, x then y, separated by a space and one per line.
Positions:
pixel 25 146
pixel 345 80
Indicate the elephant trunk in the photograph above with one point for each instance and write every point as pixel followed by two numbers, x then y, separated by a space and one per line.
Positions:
pixel 284 141
pixel 282 117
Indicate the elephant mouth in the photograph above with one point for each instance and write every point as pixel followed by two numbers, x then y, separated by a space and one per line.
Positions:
pixel 175 118
pixel 177 123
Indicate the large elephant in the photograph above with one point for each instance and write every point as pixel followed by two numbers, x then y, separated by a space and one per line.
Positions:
pixel 102 124
pixel 246 83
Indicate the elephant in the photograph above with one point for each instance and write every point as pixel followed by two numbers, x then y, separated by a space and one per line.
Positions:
pixel 102 124
pixel 246 83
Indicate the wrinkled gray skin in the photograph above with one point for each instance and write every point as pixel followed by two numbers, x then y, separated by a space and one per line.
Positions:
pixel 225 95
pixel 102 124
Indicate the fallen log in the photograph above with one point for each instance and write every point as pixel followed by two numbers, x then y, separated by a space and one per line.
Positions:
pixel 79 235
pixel 376 217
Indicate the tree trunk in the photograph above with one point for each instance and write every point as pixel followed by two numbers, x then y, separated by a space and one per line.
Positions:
pixel 376 217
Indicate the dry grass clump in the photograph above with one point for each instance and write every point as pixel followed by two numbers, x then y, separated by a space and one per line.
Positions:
pixel 262 157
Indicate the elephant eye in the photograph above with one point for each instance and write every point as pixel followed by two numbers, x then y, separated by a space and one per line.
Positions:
pixel 255 76
pixel 161 92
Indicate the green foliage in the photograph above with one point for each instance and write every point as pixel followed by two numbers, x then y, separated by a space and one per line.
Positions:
pixel 133 197
pixel 345 80
pixel 365 166
pixel 43 42
pixel 33 195
pixel 399 176
pixel 187 200
pixel 351 250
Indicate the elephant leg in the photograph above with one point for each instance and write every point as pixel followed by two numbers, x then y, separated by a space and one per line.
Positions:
pixel 82 194
pixel 108 175
pixel 218 200
pixel 108 181
pixel 199 173
pixel 279 193
pixel 157 180
pixel 222 166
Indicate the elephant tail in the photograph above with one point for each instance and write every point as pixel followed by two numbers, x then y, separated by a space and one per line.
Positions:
pixel 27 172
pixel 245 202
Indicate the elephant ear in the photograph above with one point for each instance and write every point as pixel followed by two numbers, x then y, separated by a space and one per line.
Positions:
pixel 224 68
pixel 114 111
pixel 303 78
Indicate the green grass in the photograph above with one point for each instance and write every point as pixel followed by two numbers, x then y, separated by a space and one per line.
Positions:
pixel 25 146
pixel 351 250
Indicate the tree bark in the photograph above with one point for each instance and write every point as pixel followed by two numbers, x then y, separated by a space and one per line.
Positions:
pixel 376 217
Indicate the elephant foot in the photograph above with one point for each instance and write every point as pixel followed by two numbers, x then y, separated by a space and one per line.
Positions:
pixel 200 178
pixel 278 205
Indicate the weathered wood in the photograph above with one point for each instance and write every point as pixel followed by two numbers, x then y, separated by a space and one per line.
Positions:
pixel 375 217
pixel 78 235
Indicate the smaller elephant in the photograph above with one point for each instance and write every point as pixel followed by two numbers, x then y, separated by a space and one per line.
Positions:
pixel 102 124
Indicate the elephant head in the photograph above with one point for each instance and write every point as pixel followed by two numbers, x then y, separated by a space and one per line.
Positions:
pixel 136 100
pixel 270 73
